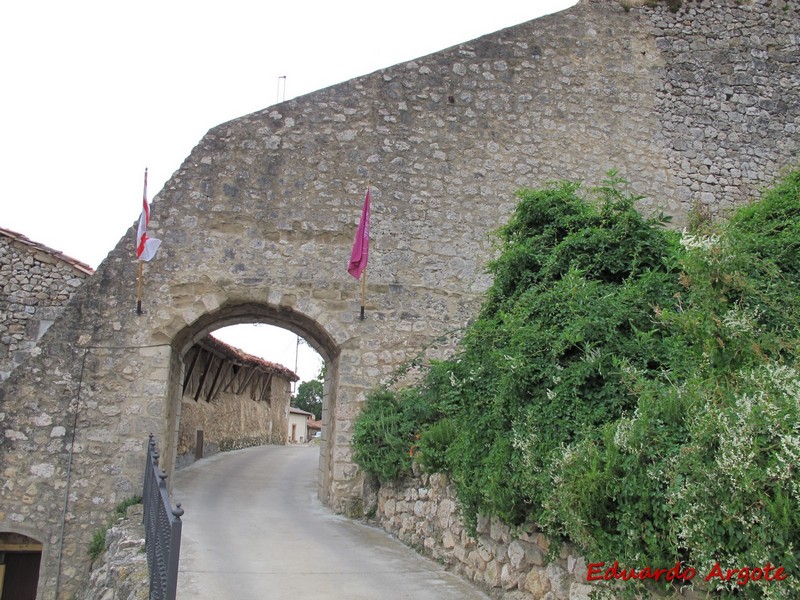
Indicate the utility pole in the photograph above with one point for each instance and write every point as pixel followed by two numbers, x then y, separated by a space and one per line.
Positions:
pixel 296 356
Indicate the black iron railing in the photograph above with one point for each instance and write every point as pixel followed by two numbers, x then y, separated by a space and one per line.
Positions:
pixel 162 529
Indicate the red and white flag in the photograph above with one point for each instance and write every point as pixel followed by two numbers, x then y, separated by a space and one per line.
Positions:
pixel 360 254
pixel 145 246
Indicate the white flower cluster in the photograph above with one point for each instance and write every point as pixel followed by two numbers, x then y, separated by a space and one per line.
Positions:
pixel 525 440
pixel 591 355
pixel 562 461
pixel 788 464
pixel 622 434
pixel 740 447
pixel 741 321
pixel 736 442
pixel 701 242
pixel 783 378
pixel 551 395
pixel 453 381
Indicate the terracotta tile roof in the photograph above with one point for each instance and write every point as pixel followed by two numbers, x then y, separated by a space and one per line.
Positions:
pixel 299 411
pixel 18 237
pixel 312 424
pixel 240 357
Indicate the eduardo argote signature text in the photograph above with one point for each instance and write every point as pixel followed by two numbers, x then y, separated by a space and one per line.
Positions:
pixel 741 576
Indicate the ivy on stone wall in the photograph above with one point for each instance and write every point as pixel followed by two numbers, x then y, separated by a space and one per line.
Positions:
pixel 627 387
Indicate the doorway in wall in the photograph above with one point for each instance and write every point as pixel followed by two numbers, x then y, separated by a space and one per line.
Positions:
pixel 20 557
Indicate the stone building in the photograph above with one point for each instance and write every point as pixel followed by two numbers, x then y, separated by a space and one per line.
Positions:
pixel 701 105
pixel 36 282
pixel 231 399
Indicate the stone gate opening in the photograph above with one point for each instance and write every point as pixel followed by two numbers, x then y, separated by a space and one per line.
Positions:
pixel 190 343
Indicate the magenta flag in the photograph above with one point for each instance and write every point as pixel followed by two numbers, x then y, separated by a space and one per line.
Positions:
pixel 358 259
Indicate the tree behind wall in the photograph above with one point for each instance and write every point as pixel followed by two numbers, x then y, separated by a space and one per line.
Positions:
pixel 309 396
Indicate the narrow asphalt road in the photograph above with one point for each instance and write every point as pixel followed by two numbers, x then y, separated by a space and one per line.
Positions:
pixel 254 530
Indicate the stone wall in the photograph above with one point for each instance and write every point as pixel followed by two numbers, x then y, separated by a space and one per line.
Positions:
pixel 233 421
pixel 120 572
pixel 729 129
pixel 509 564
pixel 257 225
pixel 36 282
pixel 221 423
pixel 422 512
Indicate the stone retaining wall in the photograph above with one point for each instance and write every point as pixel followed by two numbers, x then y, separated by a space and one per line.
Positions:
pixel 422 512
pixel 512 565
pixel 120 572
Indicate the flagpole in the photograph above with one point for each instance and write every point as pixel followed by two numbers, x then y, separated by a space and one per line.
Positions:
pixel 139 290
pixel 364 275
pixel 364 278
pixel 140 233
pixel 139 285
pixel 363 293
pixel 358 257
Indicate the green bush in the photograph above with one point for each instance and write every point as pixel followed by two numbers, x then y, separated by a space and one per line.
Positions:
pixel 392 429
pixel 706 468
pixel 434 442
pixel 770 229
pixel 626 387
pixel 577 287
pixel 386 432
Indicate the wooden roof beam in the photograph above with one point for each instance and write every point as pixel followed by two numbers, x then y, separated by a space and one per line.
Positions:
pixel 267 385
pixel 190 369
pixel 246 380
pixel 203 376
pixel 212 394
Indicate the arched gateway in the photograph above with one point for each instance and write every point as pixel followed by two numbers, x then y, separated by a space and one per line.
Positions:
pixel 258 223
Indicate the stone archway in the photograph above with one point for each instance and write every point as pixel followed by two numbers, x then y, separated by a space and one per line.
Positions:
pixel 247 313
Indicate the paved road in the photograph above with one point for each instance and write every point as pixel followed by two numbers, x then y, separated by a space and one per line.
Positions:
pixel 254 530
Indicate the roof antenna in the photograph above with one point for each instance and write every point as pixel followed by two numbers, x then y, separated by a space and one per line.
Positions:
pixel 279 98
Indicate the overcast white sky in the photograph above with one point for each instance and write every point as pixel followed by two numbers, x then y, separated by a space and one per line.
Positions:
pixel 94 91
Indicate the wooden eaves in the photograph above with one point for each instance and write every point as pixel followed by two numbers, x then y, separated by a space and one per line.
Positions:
pixel 226 365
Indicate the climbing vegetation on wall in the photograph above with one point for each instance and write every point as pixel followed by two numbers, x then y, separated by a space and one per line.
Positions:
pixel 627 387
